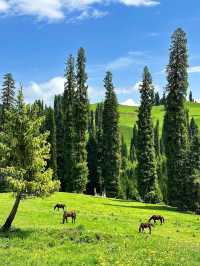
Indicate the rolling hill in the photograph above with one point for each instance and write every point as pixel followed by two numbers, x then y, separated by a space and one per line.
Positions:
pixel 128 116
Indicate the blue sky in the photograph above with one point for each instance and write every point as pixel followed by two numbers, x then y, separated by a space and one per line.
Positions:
pixel 119 35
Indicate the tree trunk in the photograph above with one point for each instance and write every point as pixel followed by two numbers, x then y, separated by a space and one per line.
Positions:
pixel 12 214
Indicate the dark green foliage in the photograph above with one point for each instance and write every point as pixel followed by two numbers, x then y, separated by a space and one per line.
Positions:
pixel 133 146
pixel 190 97
pixel 99 143
pixel 7 96
pixel 93 182
pixel 50 126
pixel 157 98
pixel 147 172
pixel 124 150
pixel 157 139
pixel 111 140
pixel 59 120
pixel 163 99
pixel 175 121
pixel 69 131
pixel 192 186
pixel 81 111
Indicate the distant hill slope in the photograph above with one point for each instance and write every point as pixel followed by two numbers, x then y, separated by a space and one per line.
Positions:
pixel 128 116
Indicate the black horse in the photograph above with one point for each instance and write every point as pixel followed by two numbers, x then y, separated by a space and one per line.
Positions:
pixel 145 226
pixel 157 218
pixel 59 206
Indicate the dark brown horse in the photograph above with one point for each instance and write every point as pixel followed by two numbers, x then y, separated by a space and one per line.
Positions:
pixel 59 206
pixel 157 218
pixel 144 226
pixel 71 214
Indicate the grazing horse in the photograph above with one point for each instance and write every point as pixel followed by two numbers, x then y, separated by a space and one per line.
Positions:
pixel 59 206
pixel 71 214
pixel 145 225
pixel 157 218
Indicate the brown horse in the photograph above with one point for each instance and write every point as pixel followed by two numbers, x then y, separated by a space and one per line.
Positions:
pixel 157 218
pixel 71 214
pixel 144 226
pixel 59 206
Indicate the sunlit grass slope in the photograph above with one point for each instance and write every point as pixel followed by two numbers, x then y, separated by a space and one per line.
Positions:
pixel 128 117
pixel 106 233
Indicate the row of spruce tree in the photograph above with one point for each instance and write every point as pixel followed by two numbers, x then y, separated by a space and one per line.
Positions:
pixel 88 153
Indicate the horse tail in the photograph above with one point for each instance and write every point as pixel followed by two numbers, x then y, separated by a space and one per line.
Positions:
pixel 140 229
pixel 55 207
pixel 150 219
pixel 163 219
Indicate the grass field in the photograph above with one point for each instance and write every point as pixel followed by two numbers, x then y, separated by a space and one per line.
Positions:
pixel 128 117
pixel 106 233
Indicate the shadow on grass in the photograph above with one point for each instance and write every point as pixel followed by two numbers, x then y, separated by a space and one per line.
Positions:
pixel 16 232
pixel 145 207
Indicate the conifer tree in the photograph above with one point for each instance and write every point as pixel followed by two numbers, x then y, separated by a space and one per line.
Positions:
pixel 190 97
pixel 133 146
pixel 175 120
pixel 147 172
pixel 192 187
pixel 50 126
pixel 111 140
pixel 157 139
pixel 157 98
pixel 93 184
pixel 99 143
pixel 7 96
pixel 59 121
pixel 69 130
pixel 81 111
pixel 24 152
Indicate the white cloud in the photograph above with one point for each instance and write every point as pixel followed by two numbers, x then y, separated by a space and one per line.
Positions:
pixel 129 102
pixel 123 62
pixel 195 69
pixel 87 14
pixel 4 6
pixel 139 2
pixel 55 10
pixel 45 90
pixel 128 90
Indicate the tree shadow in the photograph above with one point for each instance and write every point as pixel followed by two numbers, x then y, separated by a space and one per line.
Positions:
pixel 146 207
pixel 15 232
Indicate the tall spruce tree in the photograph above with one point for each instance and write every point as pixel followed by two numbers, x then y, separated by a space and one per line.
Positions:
pixel 81 111
pixel 157 98
pixel 190 97
pixel 157 139
pixel 133 146
pixel 68 110
pixel 59 120
pixel 99 143
pixel 192 191
pixel 7 96
pixel 111 140
pixel 50 126
pixel 175 120
pixel 93 183
pixel 147 172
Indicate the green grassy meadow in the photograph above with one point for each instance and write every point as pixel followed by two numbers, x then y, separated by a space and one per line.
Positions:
pixel 106 233
pixel 128 117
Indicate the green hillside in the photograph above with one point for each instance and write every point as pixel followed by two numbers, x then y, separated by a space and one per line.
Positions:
pixel 106 233
pixel 128 116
